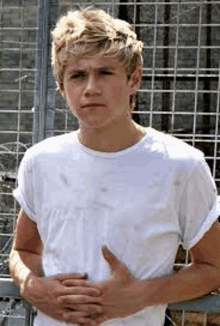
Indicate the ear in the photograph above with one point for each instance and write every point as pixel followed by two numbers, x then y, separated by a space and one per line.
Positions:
pixel 60 90
pixel 135 80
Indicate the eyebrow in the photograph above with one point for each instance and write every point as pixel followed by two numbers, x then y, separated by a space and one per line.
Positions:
pixel 78 70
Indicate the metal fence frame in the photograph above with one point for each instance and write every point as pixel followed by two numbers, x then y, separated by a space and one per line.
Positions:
pixel 45 90
pixel 209 304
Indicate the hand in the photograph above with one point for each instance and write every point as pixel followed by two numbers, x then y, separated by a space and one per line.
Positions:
pixel 121 294
pixel 63 294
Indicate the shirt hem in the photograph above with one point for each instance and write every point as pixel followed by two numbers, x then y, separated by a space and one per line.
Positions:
pixel 20 198
pixel 211 218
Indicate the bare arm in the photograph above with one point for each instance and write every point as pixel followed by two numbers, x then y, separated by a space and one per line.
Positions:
pixel 26 254
pixel 200 277
pixel 27 273
pixel 123 295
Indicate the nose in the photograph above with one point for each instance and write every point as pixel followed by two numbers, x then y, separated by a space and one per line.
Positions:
pixel 92 86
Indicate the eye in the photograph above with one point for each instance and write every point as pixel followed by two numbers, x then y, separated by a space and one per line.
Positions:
pixel 106 72
pixel 77 75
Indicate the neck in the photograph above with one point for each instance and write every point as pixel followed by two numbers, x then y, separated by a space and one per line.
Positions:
pixel 112 138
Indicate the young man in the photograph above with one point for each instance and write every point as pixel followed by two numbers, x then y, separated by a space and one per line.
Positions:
pixel 112 190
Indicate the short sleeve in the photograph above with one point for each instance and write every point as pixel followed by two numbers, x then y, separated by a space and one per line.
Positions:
pixel 199 206
pixel 24 193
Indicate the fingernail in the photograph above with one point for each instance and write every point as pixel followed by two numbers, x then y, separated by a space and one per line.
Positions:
pixel 93 316
pixel 105 248
pixel 86 276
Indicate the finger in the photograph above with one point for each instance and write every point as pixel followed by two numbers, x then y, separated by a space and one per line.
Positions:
pixel 76 282
pixel 116 265
pixel 100 320
pixel 90 309
pixel 111 259
pixel 77 290
pixel 78 317
pixel 77 299
pixel 62 277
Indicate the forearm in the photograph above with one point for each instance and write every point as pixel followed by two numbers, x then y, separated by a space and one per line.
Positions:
pixel 23 265
pixel 193 281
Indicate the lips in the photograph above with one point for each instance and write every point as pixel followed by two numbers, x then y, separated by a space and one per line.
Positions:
pixel 92 105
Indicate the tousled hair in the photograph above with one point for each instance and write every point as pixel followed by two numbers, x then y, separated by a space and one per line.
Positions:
pixel 90 32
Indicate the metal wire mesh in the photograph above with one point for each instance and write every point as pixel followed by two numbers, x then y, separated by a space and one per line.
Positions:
pixel 12 312
pixel 18 27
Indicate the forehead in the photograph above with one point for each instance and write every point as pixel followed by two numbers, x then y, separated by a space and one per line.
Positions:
pixel 89 64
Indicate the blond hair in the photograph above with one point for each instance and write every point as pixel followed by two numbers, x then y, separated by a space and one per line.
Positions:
pixel 92 32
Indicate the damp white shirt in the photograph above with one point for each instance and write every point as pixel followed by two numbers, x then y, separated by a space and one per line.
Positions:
pixel 142 202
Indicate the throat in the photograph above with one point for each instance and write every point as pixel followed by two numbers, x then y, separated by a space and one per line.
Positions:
pixel 118 140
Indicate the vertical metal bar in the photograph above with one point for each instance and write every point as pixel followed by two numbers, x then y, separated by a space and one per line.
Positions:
pixel 216 126
pixel 44 102
pixel 197 75
pixel 51 85
pixel 183 318
pixel 205 319
pixel 136 20
pixel 135 12
pixel 166 81
pixel 19 97
pixel 113 9
pixel 175 68
pixel 1 22
pixel 153 65
pixel 40 101
pixel 28 317
pixel 207 86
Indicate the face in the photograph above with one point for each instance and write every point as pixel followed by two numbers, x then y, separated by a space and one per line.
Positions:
pixel 98 91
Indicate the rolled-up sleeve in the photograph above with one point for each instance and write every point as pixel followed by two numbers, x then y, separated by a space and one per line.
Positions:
pixel 24 193
pixel 199 205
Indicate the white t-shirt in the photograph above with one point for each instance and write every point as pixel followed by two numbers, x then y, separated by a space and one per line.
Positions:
pixel 141 202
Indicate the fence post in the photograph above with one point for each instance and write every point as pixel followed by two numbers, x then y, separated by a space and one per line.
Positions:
pixel 44 100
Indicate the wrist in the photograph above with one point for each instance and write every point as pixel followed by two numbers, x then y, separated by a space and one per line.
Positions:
pixel 140 291
pixel 29 283
pixel 147 293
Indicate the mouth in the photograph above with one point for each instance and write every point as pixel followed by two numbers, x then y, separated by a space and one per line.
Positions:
pixel 92 105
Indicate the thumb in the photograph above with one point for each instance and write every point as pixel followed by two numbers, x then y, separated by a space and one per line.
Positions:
pixel 110 258
pixel 117 267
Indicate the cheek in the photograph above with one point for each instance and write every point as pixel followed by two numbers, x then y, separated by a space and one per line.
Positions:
pixel 119 94
pixel 71 96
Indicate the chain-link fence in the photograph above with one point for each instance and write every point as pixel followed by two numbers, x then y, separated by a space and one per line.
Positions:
pixel 179 93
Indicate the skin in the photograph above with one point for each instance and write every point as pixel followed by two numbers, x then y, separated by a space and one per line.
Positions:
pixel 106 126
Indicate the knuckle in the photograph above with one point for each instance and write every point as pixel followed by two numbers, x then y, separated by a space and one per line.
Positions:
pixel 68 283
pixel 55 293
pixel 81 283
pixel 55 290
pixel 72 317
pixel 67 317
pixel 59 315
pixel 60 300
pixel 88 308
pixel 83 299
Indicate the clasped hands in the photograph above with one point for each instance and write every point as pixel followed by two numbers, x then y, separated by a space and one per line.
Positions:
pixel 71 298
